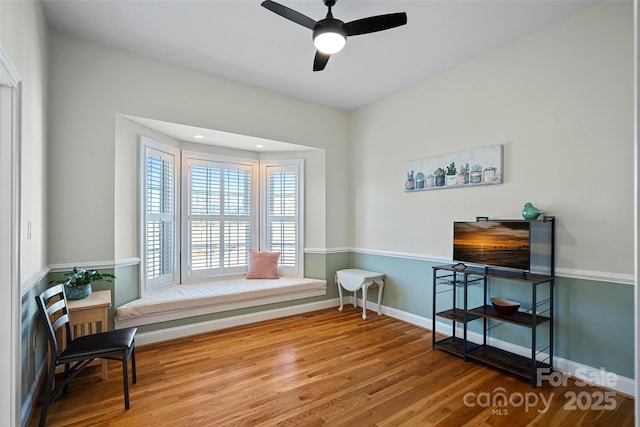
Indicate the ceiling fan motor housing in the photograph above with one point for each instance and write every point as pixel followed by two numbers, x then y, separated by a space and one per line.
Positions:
pixel 329 25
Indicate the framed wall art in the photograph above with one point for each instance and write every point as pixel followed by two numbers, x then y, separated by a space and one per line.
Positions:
pixel 480 166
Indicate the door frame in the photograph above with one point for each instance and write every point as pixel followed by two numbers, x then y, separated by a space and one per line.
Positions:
pixel 11 83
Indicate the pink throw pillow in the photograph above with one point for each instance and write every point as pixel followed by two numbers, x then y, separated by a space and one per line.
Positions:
pixel 263 265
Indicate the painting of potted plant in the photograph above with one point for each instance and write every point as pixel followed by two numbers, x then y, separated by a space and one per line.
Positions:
pixel 439 174
pixel 469 168
pixel 463 175
pixel 410 183
pixel 429 181
pixel 489 174
pixel 475 176
pixel 77 283
pixel 451 174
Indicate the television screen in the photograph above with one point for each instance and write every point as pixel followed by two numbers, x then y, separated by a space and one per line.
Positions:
pixel 497 243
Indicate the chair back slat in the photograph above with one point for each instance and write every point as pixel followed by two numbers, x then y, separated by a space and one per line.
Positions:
pixel 56 306
pixel 54 290
pixel 59 322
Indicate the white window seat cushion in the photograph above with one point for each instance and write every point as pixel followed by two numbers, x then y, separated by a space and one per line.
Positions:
pixel 189 300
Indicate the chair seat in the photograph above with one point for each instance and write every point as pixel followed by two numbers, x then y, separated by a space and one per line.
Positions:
pixel 94 345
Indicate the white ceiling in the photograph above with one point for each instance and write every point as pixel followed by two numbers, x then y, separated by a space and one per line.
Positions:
pixel 245 42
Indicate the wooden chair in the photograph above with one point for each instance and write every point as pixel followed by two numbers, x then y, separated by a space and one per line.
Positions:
pixel 78 353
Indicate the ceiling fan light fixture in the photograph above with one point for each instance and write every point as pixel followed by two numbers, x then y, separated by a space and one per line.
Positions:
pixel 330 34
pixel 329 39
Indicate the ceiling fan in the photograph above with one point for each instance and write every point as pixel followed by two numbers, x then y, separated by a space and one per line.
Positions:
pixel 330 34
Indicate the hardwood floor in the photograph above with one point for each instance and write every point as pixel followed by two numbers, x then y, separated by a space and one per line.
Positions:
pixel 323 368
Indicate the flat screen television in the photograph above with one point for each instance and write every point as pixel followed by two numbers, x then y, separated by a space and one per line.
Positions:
pixel 504 244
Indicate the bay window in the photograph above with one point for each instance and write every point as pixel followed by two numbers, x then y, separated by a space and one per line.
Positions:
pixel 204 227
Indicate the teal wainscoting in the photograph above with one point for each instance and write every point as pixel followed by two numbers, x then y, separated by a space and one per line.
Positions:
pixel 407 282
pixel 593 319
pixel 33 347
pixel 126 286
pixel 594 324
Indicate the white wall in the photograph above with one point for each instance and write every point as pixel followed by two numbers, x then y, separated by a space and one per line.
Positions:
pixel 559 100
pixel 92 84
pixel 23 35
pixel 23 41
pixel 126 176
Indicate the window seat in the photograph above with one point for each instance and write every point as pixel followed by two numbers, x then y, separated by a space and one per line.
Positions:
pixel 183 301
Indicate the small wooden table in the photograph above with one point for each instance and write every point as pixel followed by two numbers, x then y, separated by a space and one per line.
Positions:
pixel 85 314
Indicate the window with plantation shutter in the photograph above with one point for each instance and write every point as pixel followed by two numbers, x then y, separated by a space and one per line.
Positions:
pixel 220 216
pixel 202 213
pixel 159 219
pixel 282 219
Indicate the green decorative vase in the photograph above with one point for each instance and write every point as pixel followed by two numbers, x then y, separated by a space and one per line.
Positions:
pixel 77 292
pixel 530 212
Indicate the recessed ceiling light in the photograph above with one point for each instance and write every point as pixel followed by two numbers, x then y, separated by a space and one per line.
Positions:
pixel 198 136
pixel 259 146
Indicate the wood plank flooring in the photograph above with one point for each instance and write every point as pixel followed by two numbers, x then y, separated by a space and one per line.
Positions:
pixel 323 368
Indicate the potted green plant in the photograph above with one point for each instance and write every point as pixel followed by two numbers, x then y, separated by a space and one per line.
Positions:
pixel 490 174
pixel 439 174
pixel 410 182
pixel 77 283
pixel 463 175
pixel 429 181
pixel 475 175
pixel 451 174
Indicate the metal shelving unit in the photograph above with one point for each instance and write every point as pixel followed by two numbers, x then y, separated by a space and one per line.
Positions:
pixel 456 278
pixel 459 278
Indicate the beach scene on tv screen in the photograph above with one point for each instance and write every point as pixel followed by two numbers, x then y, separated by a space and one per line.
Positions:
pixel 497 243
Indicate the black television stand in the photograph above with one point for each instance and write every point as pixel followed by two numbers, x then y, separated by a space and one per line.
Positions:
pixel 478 309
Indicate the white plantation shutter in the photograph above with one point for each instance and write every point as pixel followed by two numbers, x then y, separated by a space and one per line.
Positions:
pixel 237 217
pixel 159 188
pixel 220 217
pixel 204 218
pixel 283 217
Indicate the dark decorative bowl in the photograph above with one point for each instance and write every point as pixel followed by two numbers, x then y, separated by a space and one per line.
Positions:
pixel 504 306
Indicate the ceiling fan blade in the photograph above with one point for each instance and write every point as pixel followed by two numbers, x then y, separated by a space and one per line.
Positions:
pixel 289 14
pixel 320 61
pixel 375 23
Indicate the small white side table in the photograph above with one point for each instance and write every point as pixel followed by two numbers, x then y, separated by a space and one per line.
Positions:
pixel 353 279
